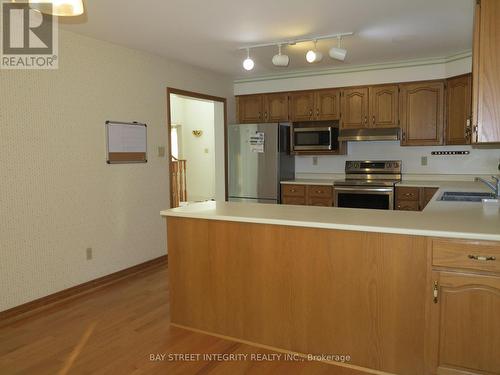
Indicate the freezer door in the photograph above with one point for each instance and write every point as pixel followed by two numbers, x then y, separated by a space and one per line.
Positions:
pixel 253 169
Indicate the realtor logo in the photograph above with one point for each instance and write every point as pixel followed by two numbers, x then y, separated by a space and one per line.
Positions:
pixel 29 38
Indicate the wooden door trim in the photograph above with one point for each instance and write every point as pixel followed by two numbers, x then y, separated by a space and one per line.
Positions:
pixel 196 95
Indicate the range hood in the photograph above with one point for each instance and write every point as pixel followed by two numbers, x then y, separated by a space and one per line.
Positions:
pixel 370 134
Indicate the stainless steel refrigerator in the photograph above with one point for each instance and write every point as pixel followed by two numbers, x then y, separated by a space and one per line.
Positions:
pixel 258 159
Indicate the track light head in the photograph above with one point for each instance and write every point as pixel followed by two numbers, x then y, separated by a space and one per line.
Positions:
pixel 313 55
pixel 279 59
pixel 338 53
pixel 248 63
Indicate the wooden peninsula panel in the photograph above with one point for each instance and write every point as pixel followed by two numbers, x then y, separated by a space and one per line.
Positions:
pixel 306 290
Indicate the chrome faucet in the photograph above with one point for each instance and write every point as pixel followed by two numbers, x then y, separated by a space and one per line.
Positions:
pixel 495 186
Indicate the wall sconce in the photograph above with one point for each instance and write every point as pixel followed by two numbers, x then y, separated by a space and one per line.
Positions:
pixel 197 133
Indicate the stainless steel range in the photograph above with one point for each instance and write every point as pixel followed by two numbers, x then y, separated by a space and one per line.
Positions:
pixel 368 184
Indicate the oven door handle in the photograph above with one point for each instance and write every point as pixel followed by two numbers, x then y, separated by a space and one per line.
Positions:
pixel 365 189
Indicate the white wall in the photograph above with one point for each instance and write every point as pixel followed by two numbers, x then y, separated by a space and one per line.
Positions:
pixel 478 162
pixel 200 152
pixel 57 194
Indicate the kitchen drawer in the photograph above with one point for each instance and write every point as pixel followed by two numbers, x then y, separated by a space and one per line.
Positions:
pixel 407 193
pixel 293 190
pixel 316 201
pixel 474 255
pixel 407 205
pixel 320 191
pixel 293 200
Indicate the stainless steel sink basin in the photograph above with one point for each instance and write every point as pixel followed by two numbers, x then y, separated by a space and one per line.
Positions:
pixel 464 196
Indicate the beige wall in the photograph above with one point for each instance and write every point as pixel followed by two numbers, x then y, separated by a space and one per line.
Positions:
pixel 57 194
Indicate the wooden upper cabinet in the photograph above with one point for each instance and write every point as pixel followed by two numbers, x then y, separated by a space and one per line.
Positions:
pixel 275 107
pixel 384 106
pixel 486 72
pixel 354 104
pixel 250 109
pixel 422 113
pixel 302 106
pixel 327 103
pixel 458 111
pixel 464 326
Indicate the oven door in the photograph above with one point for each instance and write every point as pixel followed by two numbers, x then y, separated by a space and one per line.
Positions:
pixel 320 138
pixel 381 198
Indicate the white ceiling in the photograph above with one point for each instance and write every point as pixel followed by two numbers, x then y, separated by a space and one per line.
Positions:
pixel 208 33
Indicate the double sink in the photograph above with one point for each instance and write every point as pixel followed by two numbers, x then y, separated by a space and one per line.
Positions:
pixel 464 196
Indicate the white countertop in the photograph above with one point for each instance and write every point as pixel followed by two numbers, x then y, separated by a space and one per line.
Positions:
pixel 308 181
pixel 465 220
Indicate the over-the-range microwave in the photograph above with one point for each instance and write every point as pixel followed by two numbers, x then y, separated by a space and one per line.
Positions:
pixel 315 138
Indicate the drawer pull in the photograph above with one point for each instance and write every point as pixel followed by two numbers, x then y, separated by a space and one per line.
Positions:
pixel 292 190
pixel 481 257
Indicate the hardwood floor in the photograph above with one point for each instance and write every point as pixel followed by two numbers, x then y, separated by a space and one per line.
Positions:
pixel 116 329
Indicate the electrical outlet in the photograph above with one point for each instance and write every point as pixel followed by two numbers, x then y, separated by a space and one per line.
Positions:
pixel 423 161
pixel 161 151
pixel 206 151
pixel 89 254
pixel 315 160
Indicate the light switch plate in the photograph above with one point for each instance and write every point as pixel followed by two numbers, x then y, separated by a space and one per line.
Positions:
pixel 423 161
pixel 315 160
pixel 161 151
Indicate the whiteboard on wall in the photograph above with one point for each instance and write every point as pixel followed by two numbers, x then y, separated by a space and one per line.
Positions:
pixel 126 142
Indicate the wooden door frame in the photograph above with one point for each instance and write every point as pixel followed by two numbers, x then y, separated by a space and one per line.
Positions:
pixel 195 95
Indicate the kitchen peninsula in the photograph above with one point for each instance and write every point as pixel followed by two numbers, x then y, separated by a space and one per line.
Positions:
pixel 398 292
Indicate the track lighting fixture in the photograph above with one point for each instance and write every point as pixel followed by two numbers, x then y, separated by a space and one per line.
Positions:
pixel 338 53
pixel 314 56
pixel 279 59
pixel 248 63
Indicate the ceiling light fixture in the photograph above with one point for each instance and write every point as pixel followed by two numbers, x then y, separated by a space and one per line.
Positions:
pixel 314 56
pixel 248 63
pixel 62 8
pixel 279 59
pixel 338 53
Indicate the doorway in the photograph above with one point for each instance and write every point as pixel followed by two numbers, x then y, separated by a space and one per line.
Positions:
pixel 197 144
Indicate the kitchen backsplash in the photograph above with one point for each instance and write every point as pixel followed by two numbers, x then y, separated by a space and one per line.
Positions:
pixel 479 161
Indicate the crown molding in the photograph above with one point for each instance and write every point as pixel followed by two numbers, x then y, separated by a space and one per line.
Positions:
pixel 359 68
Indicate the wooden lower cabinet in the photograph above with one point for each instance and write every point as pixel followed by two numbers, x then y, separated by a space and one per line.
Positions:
pixel 311 195
pixel 413 198
pixel 465 324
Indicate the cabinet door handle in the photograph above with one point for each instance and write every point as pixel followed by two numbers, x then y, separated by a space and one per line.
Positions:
pixel 260 115
pixel 403 136
pixel 317 112
pixel 310 113
pixel 366 119
pixel 481 257
pixel 373 120
pixel 435 291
